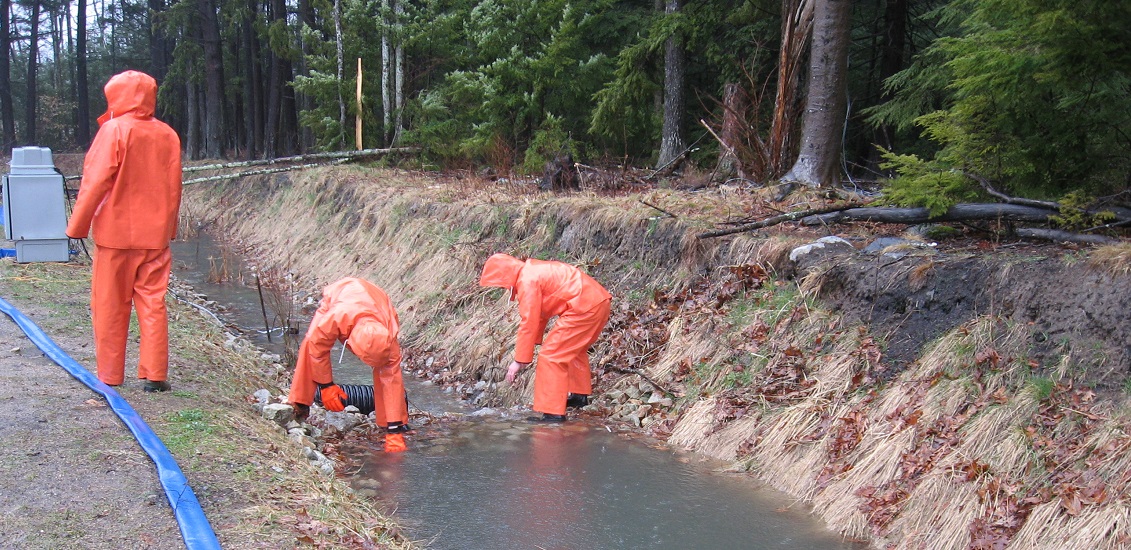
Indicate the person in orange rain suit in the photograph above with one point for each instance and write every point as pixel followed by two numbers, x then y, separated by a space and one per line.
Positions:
pixel 131 193
pixel 545 289
pixel 357 312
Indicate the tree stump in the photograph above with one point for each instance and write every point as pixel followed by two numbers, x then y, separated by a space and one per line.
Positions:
pixel 559 175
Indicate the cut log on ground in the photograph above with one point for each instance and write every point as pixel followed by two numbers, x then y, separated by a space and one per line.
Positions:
pixel 958 212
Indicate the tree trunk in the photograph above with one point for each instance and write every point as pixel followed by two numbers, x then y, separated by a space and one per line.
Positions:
pixel 252 85
pixel 386 74
pixel 736 105
pixel 797 21
pixel 672 142
pixel 32 72
pixel 893 46
pixel 398 91
pixel 341 66
pixel 7 113
pixel 192 128
pixel 158 44
pixel 958 212
pixel 82 87
pixel 272 127
pixel 823 122
pixel 213 101
pixel 305 102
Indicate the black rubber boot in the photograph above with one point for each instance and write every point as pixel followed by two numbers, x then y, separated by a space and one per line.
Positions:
pixel 577 400
pixel 154 385
pixel 547 418
pixel 398 428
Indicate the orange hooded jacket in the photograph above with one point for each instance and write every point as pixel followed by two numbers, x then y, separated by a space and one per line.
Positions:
pixel 543 289
pixel 359 313
pixel 131 178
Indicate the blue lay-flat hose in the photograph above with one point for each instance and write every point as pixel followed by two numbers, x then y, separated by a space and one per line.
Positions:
pixel 195 529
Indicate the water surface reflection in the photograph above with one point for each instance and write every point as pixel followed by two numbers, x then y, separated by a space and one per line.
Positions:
pixel 500 484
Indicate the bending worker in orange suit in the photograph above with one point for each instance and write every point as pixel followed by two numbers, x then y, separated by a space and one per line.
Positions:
pixel 357 312
pixel 545 289
pixel 131 193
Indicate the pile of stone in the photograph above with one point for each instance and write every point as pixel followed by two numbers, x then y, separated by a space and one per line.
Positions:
pixel 307 435
pixel 638 404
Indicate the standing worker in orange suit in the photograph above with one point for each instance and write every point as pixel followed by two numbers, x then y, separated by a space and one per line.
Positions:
pixel 358 313
pixel 545 289
pixel 131 194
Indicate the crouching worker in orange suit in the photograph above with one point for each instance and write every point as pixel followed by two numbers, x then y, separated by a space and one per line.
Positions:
pixel 545 289
pixel 358 313
pixel 131 193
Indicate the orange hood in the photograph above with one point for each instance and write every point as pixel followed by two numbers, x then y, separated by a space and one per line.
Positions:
pixel 130 92
pixel 371 342
pixel 501 270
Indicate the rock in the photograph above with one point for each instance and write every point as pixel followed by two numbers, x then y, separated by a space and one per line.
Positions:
pixel 278 413
pixel 831 243
pixel 878 245
pixel 326 468
pixel 341 421
pixel 486 411
pixel 632 392
pixel 262 396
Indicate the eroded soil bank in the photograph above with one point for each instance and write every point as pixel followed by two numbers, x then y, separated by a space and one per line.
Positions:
pixel 960 394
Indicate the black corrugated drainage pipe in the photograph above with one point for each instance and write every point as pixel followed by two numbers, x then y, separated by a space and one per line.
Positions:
pixel 358 395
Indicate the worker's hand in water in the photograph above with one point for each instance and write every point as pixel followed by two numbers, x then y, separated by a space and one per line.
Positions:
pixel 394 443
pixel 333 398
pixel 512 371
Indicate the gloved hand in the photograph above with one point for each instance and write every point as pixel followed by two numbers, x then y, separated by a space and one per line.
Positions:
pixel 394 443
pixel 333 397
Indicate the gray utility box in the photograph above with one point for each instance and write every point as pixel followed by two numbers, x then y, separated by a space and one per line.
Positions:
pixel 35 216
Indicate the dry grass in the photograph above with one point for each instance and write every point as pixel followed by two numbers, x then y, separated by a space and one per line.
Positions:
pixel 1112 258
pixel 424 242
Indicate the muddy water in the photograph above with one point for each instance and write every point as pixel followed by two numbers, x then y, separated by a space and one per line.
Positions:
pixel 472 482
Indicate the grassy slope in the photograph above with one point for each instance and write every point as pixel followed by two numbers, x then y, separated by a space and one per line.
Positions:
pixel 969 446
pixel 253 484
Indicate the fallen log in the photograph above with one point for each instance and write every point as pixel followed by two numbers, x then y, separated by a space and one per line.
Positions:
pixel 787 217
pixel 330 155
pixel 1062 236
pixel 958 212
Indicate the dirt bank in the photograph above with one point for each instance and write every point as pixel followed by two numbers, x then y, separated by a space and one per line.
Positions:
pixel 72 476
pixel 961 394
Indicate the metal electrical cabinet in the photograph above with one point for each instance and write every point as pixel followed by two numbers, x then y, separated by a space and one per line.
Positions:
pixel 35 215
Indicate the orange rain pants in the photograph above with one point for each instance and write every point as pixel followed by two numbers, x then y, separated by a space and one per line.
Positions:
pixel 545 289
pixel 130 194
pixel 563 364
pixel 359 313
pixel 123 279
